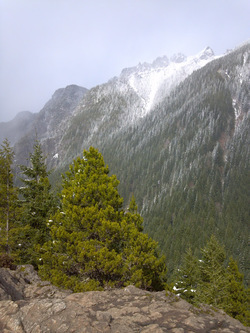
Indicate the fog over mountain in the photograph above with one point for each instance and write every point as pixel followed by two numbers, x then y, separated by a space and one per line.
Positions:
pixel 50 44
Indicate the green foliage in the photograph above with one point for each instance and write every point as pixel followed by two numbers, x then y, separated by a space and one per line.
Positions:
pixel 237 302
pixel 37 203
pixel 187 277
pixel 133 215
pixel 94 243
pixel 209 281
pixel 8 199
pixel 211 288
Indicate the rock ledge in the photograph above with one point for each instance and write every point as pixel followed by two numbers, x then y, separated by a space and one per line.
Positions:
pixel 29 305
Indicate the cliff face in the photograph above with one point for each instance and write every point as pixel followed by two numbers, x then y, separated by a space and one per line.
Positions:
pixel 28 304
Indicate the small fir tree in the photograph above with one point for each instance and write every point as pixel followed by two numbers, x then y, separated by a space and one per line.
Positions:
pixel 187 277
pixel 37 203
pixel 94 243
pixel 208 281
pixel 212 286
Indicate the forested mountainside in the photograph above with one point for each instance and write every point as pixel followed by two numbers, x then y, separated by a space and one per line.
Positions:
pixel 187 162
pixel 70 121
pixel 183 152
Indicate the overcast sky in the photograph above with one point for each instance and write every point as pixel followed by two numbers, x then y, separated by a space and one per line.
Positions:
pixel 49 44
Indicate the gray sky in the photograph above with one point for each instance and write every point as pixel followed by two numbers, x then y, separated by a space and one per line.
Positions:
pixel 49 44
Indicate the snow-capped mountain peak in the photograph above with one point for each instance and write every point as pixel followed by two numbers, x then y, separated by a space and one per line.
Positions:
pixel 150 80
pixel 207 53
pixel 179 57
pixel 160 62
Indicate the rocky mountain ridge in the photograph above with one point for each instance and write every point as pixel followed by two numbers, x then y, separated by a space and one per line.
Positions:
pixel 29 305
pixel 152 82
pixel 45 124
pixel 51 123
pixel 149 82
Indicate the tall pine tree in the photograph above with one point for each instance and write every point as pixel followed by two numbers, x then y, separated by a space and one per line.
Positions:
pixel 95 244
pixel 237 302
pixel 8 198
pixel 37 203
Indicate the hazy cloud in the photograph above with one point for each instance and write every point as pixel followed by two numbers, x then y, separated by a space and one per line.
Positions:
pixel 48 44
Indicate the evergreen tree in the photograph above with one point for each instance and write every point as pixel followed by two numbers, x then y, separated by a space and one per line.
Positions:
pixel 237 301
pixel 212 286
pixel 187 277
pixel 208 281
pixel 37 202
pixel 94 243
pixel 8 198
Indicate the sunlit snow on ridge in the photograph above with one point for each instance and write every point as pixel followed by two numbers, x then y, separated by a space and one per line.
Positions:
pixel 150 80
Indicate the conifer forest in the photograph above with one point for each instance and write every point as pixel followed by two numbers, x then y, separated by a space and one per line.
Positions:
pixel 142 180
pixel 82 238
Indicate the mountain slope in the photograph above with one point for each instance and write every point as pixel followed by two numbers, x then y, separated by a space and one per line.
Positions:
pixel 51 122
pixel 176 133
pixel 153 81
pixel 188 162
pixel 124 101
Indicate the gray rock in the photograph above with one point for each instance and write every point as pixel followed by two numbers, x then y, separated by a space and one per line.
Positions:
pixel 29 305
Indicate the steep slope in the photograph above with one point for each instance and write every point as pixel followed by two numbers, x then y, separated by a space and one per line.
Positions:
pixel 109 109
pixel 187 162
pixel 153 81
pixel 186 159
pixel 176 134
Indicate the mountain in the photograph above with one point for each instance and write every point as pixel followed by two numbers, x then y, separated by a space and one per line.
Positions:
pixel 153 81
pixel 15 129
pixel 176 134
pixel 187 161
pixel 122 101
pixel 50 124
pixel 110 109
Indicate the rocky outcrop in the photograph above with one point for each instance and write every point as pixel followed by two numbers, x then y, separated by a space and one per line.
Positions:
pixel 29 305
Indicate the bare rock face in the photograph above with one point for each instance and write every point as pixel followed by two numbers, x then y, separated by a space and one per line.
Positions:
pixel 29 305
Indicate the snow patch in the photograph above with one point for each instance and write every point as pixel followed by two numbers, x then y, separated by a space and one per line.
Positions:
pixel 152 81
pixel 236 110
pixel 245 58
